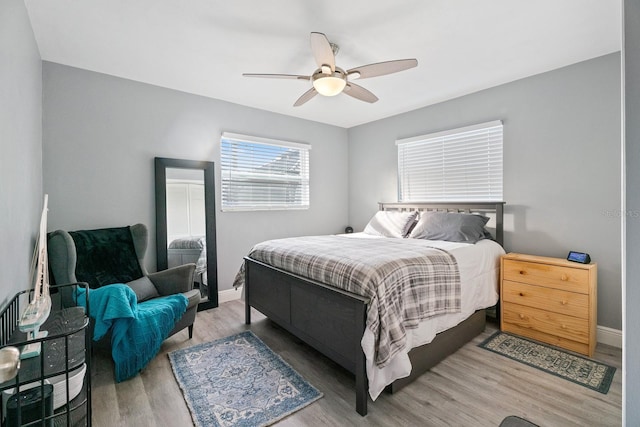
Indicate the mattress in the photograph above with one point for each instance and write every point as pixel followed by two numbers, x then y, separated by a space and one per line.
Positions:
pixel 479 266
pixel 192 242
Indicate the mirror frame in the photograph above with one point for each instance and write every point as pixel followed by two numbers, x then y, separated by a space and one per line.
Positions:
pixel 161 165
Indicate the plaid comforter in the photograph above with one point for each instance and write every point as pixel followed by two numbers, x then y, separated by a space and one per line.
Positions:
pixel 405 280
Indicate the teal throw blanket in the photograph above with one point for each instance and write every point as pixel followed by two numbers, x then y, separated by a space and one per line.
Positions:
pixel 137 329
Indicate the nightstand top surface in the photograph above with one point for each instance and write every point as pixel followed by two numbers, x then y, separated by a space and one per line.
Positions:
pixel 548 260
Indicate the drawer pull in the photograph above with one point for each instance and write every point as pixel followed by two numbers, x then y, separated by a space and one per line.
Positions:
pixel 564 302
pixel 521 294
pixel 521 316
pixel 523 272
pixel 564 277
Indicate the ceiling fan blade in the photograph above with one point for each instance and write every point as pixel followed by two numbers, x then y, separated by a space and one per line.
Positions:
pixel 360 93
pixel 322 51
pixel 382 68
pixel 278 76
pixel 306 96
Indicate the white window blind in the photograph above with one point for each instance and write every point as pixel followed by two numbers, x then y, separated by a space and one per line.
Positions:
pixel 263 174
pixel 463 164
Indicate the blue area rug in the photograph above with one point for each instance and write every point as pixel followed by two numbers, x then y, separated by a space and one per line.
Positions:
pixel 580 370
pixel 239 381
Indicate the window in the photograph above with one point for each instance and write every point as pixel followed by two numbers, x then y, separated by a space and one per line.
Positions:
pixel 263 174
pixel 462 164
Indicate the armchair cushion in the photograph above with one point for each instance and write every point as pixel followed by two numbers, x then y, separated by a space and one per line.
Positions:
pixel 105 256
pixel 144 289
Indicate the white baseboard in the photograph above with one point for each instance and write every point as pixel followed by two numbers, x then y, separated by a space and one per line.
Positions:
pixel 229 295
pixel 609 336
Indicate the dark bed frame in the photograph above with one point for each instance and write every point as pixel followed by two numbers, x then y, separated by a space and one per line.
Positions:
pixel 333 321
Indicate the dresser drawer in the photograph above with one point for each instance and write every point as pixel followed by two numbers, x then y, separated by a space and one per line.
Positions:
pixel 565 278
pixel 563 302
pixel 572 328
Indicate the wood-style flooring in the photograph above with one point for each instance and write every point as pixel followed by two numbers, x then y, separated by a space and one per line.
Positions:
pixel 473 387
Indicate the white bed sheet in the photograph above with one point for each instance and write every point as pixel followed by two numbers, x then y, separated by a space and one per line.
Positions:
pixel 479 266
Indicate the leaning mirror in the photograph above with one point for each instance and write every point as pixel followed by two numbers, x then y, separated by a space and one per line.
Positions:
pixel 185 222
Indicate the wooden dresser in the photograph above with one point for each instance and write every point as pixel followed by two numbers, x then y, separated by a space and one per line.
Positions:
pixel 550 300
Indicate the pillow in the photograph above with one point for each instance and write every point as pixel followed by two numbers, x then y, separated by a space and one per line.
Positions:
pixel 144 288
pixel 105 256
pixel 452 227
pixel 391 223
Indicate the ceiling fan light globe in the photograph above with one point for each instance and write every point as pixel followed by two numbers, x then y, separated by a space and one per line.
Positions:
pixel 329 86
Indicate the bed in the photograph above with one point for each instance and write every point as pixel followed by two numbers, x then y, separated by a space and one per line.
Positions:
pixel 334 321
pixel 192 249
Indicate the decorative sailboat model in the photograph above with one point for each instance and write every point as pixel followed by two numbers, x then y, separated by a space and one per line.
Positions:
pixel 39 307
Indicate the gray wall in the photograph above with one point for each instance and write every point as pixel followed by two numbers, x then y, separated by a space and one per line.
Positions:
pixel 101 133
pixel 631 370
pixel 561 164
pixel 20 146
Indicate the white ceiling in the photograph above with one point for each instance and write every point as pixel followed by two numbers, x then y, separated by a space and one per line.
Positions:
pixel 204 46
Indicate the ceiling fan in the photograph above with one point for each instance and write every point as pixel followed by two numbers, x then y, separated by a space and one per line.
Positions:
pixel 329 80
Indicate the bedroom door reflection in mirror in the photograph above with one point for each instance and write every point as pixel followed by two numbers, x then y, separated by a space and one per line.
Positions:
pixel 186 222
